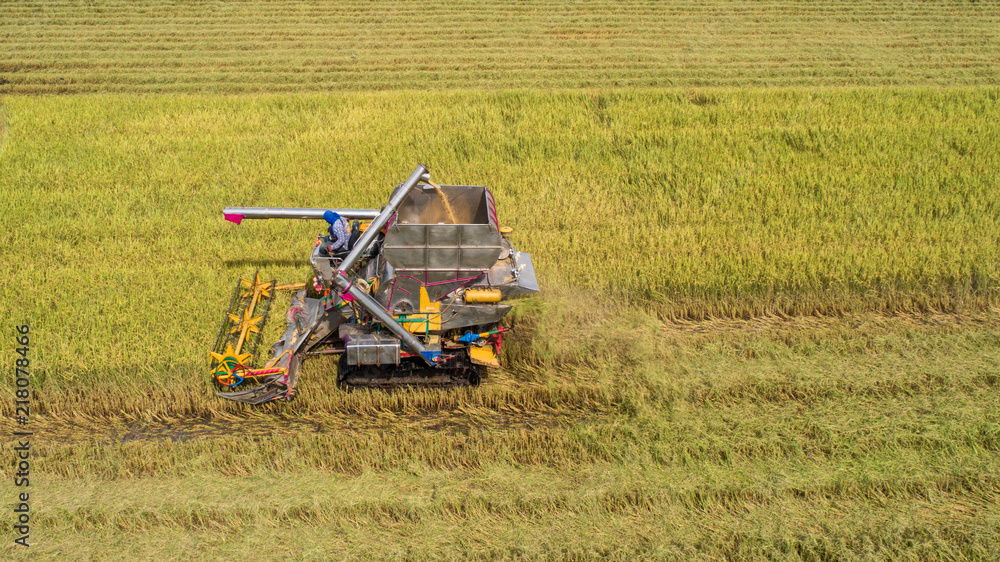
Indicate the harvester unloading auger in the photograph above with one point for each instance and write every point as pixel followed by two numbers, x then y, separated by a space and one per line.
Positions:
pixel 414 299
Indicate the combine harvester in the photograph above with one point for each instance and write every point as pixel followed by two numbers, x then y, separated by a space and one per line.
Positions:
pixel 414 298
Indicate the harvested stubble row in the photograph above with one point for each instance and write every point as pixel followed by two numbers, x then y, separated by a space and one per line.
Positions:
pixel 297 46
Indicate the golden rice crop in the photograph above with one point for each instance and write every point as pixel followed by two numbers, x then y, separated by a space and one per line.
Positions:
pixel 740 205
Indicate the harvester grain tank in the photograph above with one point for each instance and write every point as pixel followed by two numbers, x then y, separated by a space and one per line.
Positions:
pixel 416 297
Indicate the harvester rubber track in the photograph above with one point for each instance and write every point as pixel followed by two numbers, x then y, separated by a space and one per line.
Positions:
pixel 409 374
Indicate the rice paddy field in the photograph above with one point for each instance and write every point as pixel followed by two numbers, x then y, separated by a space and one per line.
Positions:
pixel 69 46
pixel 767 236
